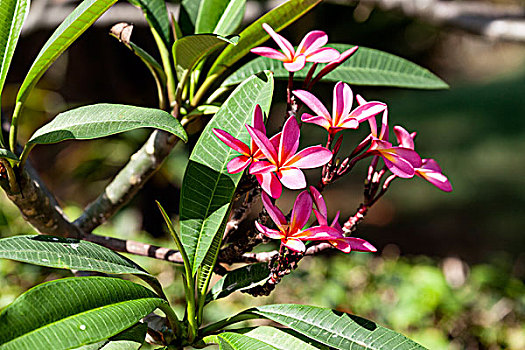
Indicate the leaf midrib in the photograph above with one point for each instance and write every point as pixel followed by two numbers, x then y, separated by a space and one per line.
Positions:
pixel 72 255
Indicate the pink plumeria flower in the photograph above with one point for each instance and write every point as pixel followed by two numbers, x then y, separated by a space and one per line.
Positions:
pixel 344 244
pixel 310 50
pixel 248 154
pixel 343 117
pixel 401 161
pixel 283 163
pixel 429 170
pixel 291 233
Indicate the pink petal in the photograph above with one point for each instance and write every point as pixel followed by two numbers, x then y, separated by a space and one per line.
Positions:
pixel 320 218
pixel 367 111
pixel 294 244
pixel 399 166
pixel 238 164
pixel 262 167
pixel 281 41
pixel 318 233
pixel 431 164
pixel 431 172
pixel 302 209
pixel 258 119
pixel 403 137
pixel 323 55
pixel 319 120
pixel 347 244
pixel 342 102
pixel 310 157
pixel 268 232
pixel 274 212
pixel 334 64
pixel 313 103
pixel 295 65
pixel 270 184
pixel 289 140
pixel 319 201
pixel 384 126
pixel 349 123
pixel 263 143
pixel 292 178
pixel 232 142
pixel 312 41
pixel 270 53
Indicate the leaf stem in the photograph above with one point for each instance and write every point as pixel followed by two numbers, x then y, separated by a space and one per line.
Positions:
pixel 14 126
pixel 25 154
pixel 243 316
pixel 203 89
pixel 166 63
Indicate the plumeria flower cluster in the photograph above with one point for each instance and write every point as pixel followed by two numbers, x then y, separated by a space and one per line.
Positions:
pixel 276 161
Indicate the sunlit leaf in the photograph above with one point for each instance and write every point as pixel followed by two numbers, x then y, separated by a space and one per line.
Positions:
pixel 71 312
pixel 335 329
pixel 12 15
pixel 219 16
pixel 73 26
pixel 130 339
pixel 207 186
pixel 189 50
pixel 5 153
pixel 102 120
pixel 157 17
pixel 365 67
pixel 254 35
pixel 264 338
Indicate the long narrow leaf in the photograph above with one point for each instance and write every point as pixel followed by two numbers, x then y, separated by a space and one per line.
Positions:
pixel 207 186
pixel 365 67
pixel 336 329
pixel 66 253
pixel 102 120
pixel 71 312
pixel 130 339
pixel 219 16
pixel 279 18
pixel 12 15
pixel 157 17
pixel 239 279
pixel 189 10
pixel 190 50
pixel 268 338
pixel 73 26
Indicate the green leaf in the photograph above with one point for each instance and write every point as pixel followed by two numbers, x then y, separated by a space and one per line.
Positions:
pixel 254 35
pixel 157 17
pixel 189 50
pixel 71 312
pixel 365 67
pixel 5 153
pixel 100 120
pixel 239 279
pixel 336 329
pixel 12 15
pixel 189 10
pixel 219 16
pixel 73 26
pixel 72 254
pixel 231 18
pixel 66 253
pixel 269 338
pixel 208 188
pixel 130 339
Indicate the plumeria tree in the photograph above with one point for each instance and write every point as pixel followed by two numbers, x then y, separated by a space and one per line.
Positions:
pixel 234 164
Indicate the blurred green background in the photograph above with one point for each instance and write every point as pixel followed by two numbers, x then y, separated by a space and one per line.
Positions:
pixel 450 268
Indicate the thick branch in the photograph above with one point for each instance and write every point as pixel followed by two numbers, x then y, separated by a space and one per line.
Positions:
pixel 267 256
pixel 141 166
pixel 39 207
